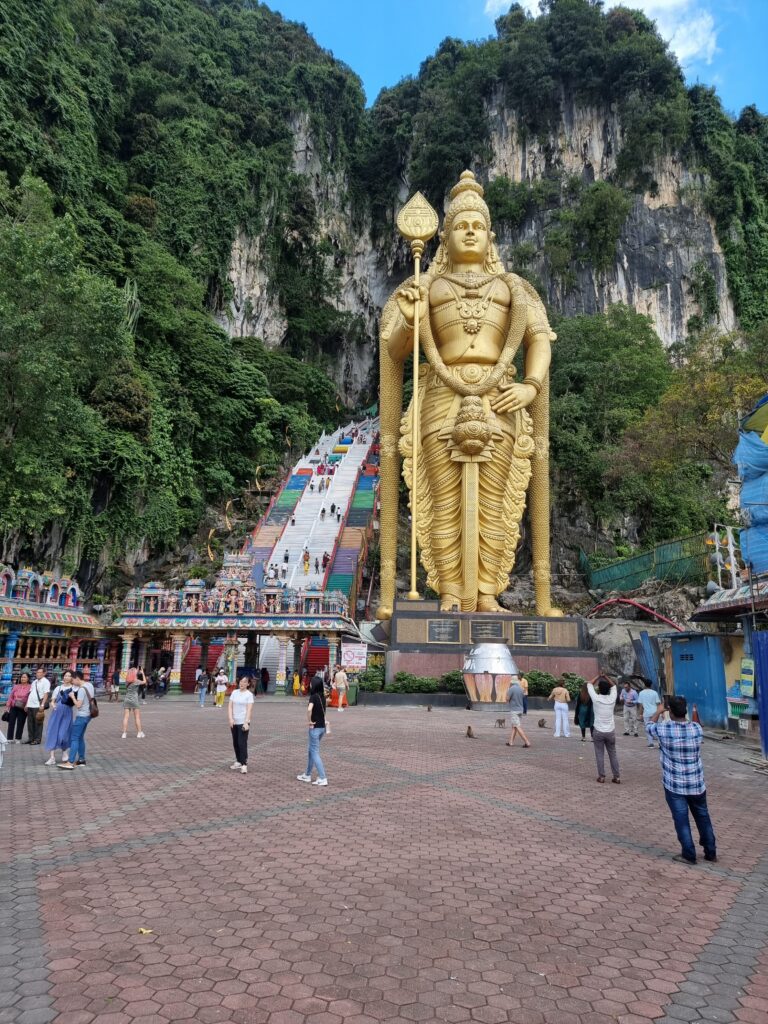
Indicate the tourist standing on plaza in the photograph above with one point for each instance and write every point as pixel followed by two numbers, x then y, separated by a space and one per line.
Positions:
pixel 584 713
pixel 239 711
pixel 682 775
pixel 340 681
pixel 515 699
pixel 202 683
pixel 141 681
pixel 222 681
pixel 317 728
pixel 17 707
pixel 114 689
pixel 562 698
pixel 161 680
pixel 264 679
pixel 649 700
pixel 604 734
pixel 58 731
pixel 37 702
pixel 628 698
pixel 83 695
pixel 131 703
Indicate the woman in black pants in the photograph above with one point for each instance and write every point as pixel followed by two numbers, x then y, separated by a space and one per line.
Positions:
pixel 141 680
pixel 17 707
pixel 239 711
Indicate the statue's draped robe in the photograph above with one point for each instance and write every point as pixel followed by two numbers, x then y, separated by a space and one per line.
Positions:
pixel 470 506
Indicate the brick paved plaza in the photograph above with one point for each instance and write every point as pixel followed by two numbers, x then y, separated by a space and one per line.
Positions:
pixel 436 877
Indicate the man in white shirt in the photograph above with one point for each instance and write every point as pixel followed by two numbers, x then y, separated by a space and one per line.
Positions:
pixel 604 736
pixel 41 687
pixel 650 700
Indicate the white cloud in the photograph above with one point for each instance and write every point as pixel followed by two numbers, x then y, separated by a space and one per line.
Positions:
pixel 493 8
pixel 687 25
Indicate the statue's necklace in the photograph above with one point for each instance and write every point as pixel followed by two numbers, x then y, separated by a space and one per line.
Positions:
pixel 473 304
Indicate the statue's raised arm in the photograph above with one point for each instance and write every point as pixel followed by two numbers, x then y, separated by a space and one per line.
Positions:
pixel 483 436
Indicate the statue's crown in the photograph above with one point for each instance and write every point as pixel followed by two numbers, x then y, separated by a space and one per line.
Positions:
pixel 467 183
pixel 466 194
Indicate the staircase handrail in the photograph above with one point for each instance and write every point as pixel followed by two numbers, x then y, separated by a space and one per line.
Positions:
pixel 343 524
pixel 342 528
pixel 265 515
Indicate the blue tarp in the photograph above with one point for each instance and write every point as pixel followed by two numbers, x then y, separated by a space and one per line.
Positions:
pixel 754 548
pixel 751 455
pixel 754 500
pixel 760 654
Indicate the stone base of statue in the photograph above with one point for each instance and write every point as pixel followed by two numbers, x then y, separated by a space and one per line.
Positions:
pixel 427 642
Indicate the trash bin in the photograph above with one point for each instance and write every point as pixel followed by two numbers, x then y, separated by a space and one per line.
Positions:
pixel 352 689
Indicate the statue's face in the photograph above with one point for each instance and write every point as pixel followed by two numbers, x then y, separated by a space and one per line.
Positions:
pixel 468 238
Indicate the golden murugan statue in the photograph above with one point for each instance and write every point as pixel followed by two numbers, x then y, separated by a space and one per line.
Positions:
pixel 483 437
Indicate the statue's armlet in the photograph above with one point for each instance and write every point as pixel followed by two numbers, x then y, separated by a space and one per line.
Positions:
pixel 537 326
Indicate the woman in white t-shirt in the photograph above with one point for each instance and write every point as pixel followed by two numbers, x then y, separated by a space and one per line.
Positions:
pixel 239 711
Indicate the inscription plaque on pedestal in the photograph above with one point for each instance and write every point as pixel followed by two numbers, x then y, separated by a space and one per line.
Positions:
pixel 529 634
pixel 486 629
pixel 443 631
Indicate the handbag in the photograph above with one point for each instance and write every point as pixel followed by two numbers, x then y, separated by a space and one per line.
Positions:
pixel 40 712
pixel 93 707
pixel 6 716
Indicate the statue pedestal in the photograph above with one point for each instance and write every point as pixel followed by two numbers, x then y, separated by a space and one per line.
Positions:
pixel 427 642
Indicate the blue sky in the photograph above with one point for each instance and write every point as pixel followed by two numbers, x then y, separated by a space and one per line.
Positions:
pixel 718 42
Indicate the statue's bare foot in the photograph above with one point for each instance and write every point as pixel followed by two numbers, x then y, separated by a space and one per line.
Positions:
pixel 450 603
pixel 550 613
pixel 488 603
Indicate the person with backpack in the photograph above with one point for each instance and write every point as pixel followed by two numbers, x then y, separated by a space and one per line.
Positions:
pixel 131 703
pixel 85 706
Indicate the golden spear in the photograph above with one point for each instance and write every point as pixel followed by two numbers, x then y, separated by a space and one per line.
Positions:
pixel 417 222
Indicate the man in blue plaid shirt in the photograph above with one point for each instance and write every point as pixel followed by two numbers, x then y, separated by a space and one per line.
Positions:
pixel 683 777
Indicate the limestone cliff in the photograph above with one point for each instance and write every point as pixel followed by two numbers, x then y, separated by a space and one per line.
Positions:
pixel 666 235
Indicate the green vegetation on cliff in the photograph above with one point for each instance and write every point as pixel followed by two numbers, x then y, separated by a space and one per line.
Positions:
pixel 160 128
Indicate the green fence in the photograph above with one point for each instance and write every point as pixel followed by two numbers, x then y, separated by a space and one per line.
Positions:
pixel 677 561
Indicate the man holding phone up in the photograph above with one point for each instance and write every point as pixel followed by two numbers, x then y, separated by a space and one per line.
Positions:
pixel 683 777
